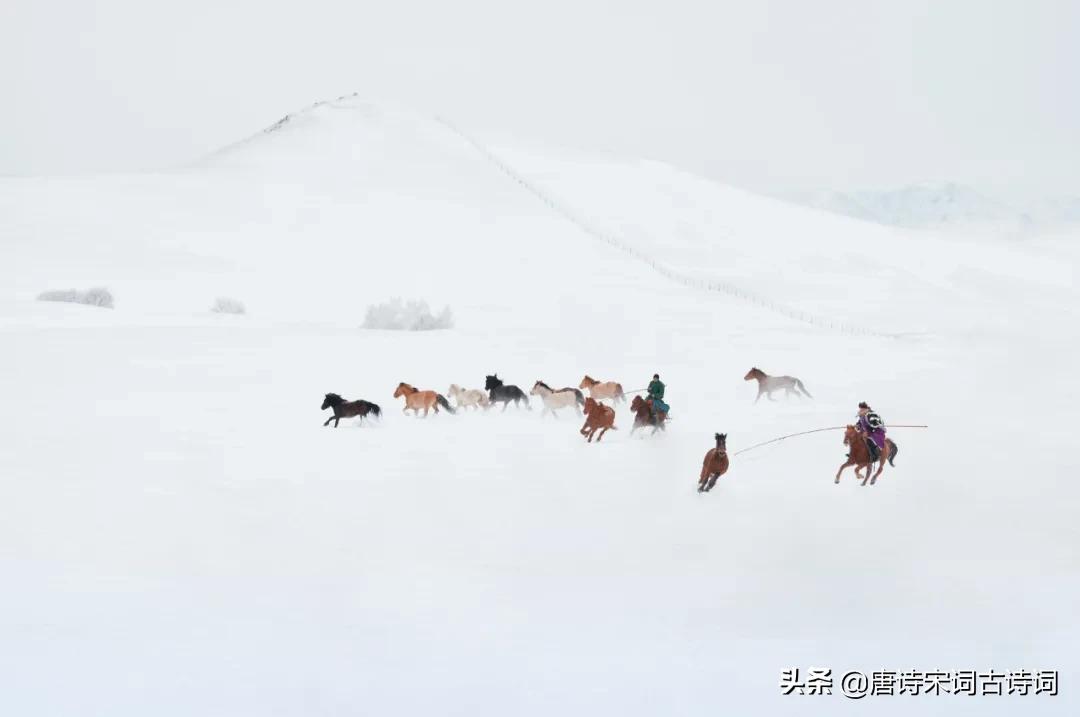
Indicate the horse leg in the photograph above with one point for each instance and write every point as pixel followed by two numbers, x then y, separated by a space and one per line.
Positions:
pixel 712 482
pixel 768 395
pixel 842 467
pixel 869 467
pixel 328 421
pixel 336 420
pixel 602 432
pixel 506 405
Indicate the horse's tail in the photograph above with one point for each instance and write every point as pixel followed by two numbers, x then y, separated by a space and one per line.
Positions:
pixel 619 395
pixel 441 400
pixel 375 410
pixel 802 388
pixel 580 396
pixel 893 450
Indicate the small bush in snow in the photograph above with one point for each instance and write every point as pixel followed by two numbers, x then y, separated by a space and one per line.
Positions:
pixel 409 315
pixel 225 305
pixel 97 296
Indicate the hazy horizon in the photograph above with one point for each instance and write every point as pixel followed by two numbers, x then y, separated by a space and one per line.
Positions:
pixel 777 96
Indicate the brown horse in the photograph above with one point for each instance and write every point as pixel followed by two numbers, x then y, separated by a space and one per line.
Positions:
pixel 859 455
pixel 598 417
pixel 602 389
pixel 348 409
pixel 416 400
pixel 715 464
pixel 643 416
pixel 767 384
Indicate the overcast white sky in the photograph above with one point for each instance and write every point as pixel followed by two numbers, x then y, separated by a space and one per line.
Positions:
pixel 769 94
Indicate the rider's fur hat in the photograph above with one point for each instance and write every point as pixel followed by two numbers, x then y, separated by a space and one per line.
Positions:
pixel 864 404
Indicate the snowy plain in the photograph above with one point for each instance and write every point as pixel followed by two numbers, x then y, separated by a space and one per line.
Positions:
pixel 179 535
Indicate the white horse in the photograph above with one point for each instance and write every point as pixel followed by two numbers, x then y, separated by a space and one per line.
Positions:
pixel 465 397
pixel 554 400
pixel 767 384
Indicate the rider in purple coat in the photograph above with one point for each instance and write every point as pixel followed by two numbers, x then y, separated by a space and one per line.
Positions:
pixel 871 426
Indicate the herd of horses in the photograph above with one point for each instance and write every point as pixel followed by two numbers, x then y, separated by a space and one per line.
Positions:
pixel 600 417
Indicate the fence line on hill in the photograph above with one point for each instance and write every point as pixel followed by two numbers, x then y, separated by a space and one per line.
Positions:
pixel 713 285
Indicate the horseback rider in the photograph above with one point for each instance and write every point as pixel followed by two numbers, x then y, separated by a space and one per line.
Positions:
pixel 656 399
pixel 870 425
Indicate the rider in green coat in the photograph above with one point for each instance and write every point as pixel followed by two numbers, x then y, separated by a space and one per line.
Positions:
pixel 656 396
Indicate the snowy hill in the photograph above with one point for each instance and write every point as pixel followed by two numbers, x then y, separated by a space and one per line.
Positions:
pixel 184 537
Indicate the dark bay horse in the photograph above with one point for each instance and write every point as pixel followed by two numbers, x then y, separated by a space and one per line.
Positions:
pixel 643 416
pixel 715 464
pixel 499 392
pixel 348 409
pixel 859 455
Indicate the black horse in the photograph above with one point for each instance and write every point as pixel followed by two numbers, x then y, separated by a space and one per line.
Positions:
pixel 498 392
pixel 348 409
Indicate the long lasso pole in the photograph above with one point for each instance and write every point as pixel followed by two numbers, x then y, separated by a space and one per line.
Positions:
pixel 818 430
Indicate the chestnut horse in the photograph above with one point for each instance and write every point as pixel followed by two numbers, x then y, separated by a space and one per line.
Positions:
pixel 859 455
pixel 598 417
pixel 767 384
pixel 643 416
pixel 715 464
pixel 602 389
pixel 416 399
pixel 348 409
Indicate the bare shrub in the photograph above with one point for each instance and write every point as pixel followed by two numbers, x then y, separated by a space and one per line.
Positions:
pixel 96 296
pixel 412 315
pixel 227 305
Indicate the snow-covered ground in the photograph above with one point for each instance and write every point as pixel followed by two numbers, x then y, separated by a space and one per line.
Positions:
pixel 179 535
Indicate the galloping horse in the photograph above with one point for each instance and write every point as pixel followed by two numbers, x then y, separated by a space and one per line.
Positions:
pixel 859 455
pixel 601 390
pixel 643 416
pixel 348 409
pixel 597 417
pixel 767 384
pixel 715 464
pixel 416 399
pixel 554 400
pixel 498 392
pixel 465 397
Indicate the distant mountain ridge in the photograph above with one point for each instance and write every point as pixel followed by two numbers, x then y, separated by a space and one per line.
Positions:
pixel 949 205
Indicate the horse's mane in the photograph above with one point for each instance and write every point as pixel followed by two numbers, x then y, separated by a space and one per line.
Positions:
pixel 333 398
pixel 541 383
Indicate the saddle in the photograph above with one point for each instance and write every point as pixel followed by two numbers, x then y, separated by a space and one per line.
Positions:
pixel 658 409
